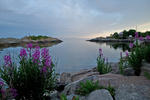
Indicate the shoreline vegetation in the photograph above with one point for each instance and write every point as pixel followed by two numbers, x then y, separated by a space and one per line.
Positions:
pixel 42 41
pixel 124 36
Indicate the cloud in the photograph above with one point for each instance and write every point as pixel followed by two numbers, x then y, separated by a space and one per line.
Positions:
pixel 70 17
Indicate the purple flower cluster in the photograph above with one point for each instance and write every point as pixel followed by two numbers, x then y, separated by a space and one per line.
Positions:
pixel 1 83
pixel 36 55
pixel 44 69
pixel 127 54
pixel 148 37
pixel 23 53
pixel 136 35
pixel 131 45
pixel 2 91
pixel 29 46
pixel 141 38
pixel 7 59
pixel 100 52
pixel 13 92
pixel 46 59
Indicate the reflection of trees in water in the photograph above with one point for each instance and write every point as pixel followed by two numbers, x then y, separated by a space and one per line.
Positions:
pixel 116 45
pixel 122 46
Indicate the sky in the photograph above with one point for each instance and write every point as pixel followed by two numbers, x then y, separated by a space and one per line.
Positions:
pixel 72 18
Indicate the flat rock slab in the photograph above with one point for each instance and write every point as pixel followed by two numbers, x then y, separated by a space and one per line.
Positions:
pixel 133 92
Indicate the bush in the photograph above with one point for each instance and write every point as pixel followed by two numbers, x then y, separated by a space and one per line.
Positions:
pixel 89 86
pixel 135 58
pixel 147 53
pixel 123 63
pixel 102 66
pixel 147 75
pixel 64 97
pixel 33 77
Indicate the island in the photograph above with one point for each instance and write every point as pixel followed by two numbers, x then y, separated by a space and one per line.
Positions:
pixel 43 41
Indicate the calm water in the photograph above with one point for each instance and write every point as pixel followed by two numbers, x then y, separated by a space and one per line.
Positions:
pixel 74 54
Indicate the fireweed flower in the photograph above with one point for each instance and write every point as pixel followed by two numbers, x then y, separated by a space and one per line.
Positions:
pixel 36 55
pixel 1 83
pixel 100 52
pixel 44 53
pixel 7 60
pixel 29 47
pixel 13 92
pixel 48 61
pixel 46 57
pixel 121 54
pixel 127 54
pixel 148 37
pixel 44 69
pixel 141 38
pixel 136 35
pixel 131 45
pixel 23 53
pixel 2 91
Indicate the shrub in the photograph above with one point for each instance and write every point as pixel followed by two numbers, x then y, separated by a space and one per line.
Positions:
pixel 64 97
pixel 147 75
pixel 135 60
pixel 89 86
pixel 147 53
pixel 123 63
pixel 102 66
pixel 136 56
pixel 33 77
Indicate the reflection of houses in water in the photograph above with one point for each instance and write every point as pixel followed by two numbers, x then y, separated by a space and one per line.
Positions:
pixel 123 46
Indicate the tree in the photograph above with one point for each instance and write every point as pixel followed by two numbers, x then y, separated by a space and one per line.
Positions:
pixel 116 35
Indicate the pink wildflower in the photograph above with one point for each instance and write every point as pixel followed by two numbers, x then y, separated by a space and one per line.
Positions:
pixel 136 35
pixel 23 52
pixel 127 54
pixel 7 60
pixel 148 37
pixel 141 38
pixel 131 45
pixel 13 92
pixel 36 55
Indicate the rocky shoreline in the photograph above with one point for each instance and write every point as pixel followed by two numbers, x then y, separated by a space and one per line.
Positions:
pixel 13 42
pixel 115 40
pixel 127 87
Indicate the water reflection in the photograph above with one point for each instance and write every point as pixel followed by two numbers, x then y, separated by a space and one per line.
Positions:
pixel 73 55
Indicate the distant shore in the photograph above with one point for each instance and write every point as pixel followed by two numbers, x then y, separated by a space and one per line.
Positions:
pixel 13 42
pixel 115 40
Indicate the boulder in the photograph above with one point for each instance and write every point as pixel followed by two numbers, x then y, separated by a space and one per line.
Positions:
pixel 133 92
pixel 100 95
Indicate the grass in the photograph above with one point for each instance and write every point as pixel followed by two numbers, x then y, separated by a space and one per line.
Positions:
pixel 103 67
pixel 147 75
pixel 89 86
pixel 64 97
